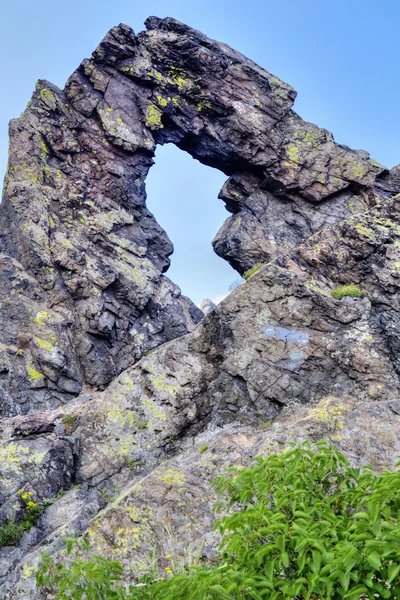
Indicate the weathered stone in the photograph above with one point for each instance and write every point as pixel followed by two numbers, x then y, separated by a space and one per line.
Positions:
pixel 74 211
pixel 84 300
pixel 207 306
pixel 171 509
pixel 34 424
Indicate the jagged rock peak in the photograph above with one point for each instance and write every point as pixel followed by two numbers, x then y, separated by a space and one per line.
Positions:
pixel 74 220
pixel 207 306
pixel 84 300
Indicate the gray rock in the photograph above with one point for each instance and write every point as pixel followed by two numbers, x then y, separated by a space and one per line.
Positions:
pixel 92 419
pixel 207 306
pixel 74 204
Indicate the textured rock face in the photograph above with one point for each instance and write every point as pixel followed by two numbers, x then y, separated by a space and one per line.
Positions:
pixel 74 211
pixel 83 299
pixel 240 384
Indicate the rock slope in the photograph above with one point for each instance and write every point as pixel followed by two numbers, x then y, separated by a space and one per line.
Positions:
pixel 123 441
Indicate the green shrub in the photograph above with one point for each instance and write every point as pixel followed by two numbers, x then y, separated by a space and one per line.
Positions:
pixel 349 289
pixel 86 576
pixel 302 524
pixel 314 526
pixel 68 419
pixel 131 463
pixel 11 532
pixel 247 274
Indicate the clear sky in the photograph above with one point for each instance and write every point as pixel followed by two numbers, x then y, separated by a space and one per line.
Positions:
pixel 340 55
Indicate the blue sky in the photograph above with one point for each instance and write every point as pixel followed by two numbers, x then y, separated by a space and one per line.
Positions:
pixel 340 55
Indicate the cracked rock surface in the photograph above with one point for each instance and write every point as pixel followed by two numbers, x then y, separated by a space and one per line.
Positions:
pixel 125 441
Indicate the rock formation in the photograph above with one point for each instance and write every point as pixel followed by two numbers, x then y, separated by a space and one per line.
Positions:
pixel 90 415
pixel 207 306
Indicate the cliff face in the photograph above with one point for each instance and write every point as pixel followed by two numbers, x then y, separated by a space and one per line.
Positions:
pixel 84 296
pixel 74 205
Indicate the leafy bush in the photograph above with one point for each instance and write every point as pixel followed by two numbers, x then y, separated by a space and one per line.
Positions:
pixel 89 576
pixel 302 524
pixel 314 526
pixel 347 290
pixel 247 274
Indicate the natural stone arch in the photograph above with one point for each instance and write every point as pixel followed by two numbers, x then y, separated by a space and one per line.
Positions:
pixel 74 205
pixel 172 84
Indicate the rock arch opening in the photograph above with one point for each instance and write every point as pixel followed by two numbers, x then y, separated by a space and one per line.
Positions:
pixel 181 193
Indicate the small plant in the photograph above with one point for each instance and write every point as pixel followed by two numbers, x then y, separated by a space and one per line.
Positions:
pixel 87 575
pixel 170 441
pixel 247 274
pixel 235 284
pixel 350 289
pixel 11 532
pixel 131 463
pixel 141 424
pixel 69 421
pixel 181 563
pixel 203 448
pixel 19 352
pixel 107 496
pixel 152 572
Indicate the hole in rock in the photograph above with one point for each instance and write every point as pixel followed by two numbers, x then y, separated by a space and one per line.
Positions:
pixel 182 195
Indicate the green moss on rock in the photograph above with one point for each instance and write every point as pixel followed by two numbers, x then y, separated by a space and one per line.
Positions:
pixel 351 290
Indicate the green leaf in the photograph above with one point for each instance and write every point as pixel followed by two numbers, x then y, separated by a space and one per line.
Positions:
pixel 285 559
pixel 356 592
pixel 269 569
pixel 362 515
pixel 344 579
pixel 393 570
pixel 316 561
pixel 374 560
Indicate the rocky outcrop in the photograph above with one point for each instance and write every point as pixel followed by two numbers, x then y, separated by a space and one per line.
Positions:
pixel 74 205
pixel 170 510
pixel 84 300
pixel 248 373
pixel 207 306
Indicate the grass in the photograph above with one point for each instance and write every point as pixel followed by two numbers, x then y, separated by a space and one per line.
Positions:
pixel 69 421
pixel 350 289
pixel 131 463
pixel 235 284
pixel 141 424
pixel 247 274
pixel 10 533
